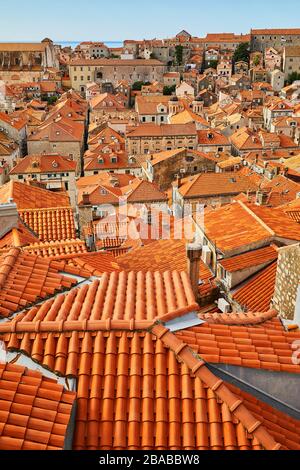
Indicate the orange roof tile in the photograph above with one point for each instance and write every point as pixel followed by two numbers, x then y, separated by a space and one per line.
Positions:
pixel 35 412
pixel 238 225
pixel 95 264
pixel 260 345
pixel 17 237
pixel 56 249
pixel 164 255
pixel 256 294
pixel 31 197
pixel 50 224
pixel 213 184
pixel 44 164
pixel 25 279
pixel 116 301
pixel 61 130
pixel 250 259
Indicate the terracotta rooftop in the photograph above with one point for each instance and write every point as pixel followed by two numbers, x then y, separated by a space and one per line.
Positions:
pixel 213 184
pixel 44 164
pixel 61 130
pixel 164 255
pixel 17 237
pixel 250 259
pixel 26 279
pixel 56 249
pixel 174 381
pixel 265 345
pixel 256 294
pixel 239 225
pixel 53 224
pixel 34 411
pixel 145 130
pixel 31 197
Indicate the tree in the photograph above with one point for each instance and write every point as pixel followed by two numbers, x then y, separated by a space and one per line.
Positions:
pixel 179 54
pixel 242 52
pixel 168 90
pixel 50 99
pixel 211 64
pixel 293 77
pixel 256 60
pixel 137 86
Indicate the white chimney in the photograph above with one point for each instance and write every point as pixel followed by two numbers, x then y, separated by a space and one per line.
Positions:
pixel 8 217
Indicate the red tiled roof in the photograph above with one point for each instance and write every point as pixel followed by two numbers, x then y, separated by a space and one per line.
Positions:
pixel 95 264
pixel 259 346
pixel 50 224
pixel 249 259
pixel 34 411
pixel 117 301
pixel 211 184
pixel 139 390
pixel 17 237
pixel 61 130
pixel 32 197
pixel 57 249
pixel 26 279
pixel 256 294
pixel 44 164
pixel 164 255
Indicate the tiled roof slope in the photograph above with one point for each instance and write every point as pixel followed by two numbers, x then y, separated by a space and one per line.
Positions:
pixel 250 259
pixel 95 263
pixel 26 279
pixel 34 411
pixel 206 184
pixel 135 300
pixel 51 224
pixel 17 237
pixel 57 249
pixel 264 346
pixel 256 294
pixel 164 255
pixel 32 197
pixel 138 390
pixel 240 224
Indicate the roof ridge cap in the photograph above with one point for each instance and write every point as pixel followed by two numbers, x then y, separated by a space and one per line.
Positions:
pixel 199 368
pixel 5 268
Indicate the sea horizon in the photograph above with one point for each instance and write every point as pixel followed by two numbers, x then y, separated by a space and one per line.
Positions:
pixel 73 44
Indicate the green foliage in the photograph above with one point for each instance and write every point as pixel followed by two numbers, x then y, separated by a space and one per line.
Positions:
pixel 211 64
pixel 137 86
pixel 168 90
pixel 50 99
pixel 293 77
pixel 179 54
pixel 242 52
pixel 256 60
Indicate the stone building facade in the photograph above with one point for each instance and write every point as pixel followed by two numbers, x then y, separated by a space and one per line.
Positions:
pixel 83 71
pixel 262 39
pixel 148 138
pixel 26 62
pixel 287 281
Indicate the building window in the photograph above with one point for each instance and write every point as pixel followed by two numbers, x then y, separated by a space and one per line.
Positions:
pixel 20 177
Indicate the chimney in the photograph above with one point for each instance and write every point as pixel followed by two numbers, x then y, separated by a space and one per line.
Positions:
pixel 8 217
pixel 262 198
pixel 194 253
pixel 86 199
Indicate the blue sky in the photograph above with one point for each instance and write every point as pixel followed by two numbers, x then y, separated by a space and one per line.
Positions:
pixel 73 20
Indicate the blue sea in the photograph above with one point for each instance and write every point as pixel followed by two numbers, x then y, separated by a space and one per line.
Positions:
pixel 73 44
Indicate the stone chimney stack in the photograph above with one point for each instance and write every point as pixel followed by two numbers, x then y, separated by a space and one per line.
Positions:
pixel 194 253
pixel 9 217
